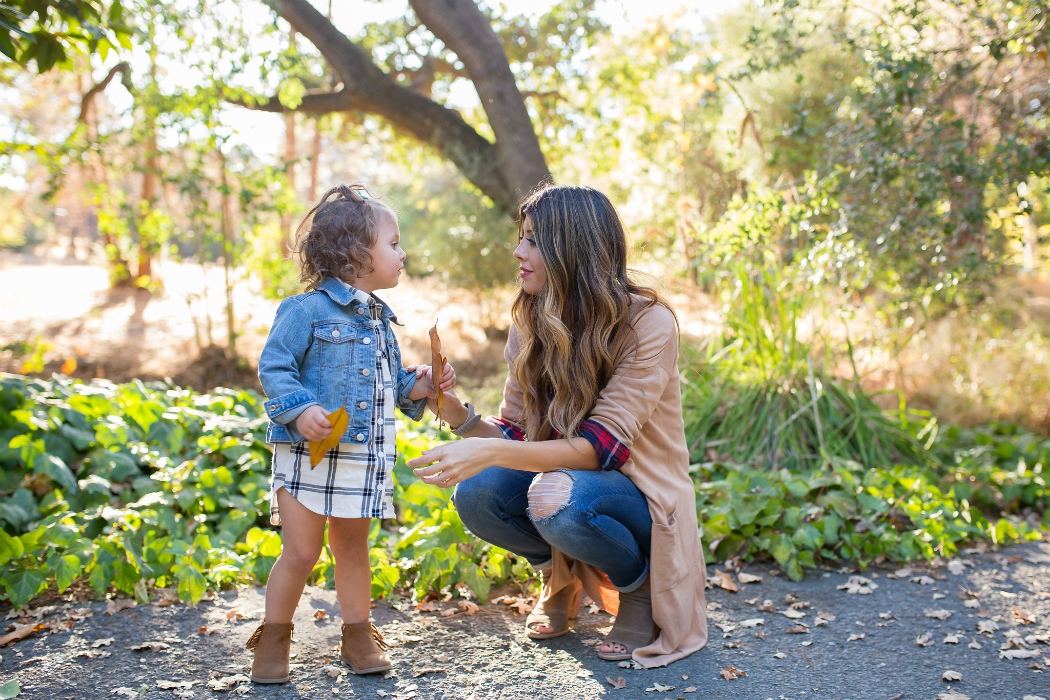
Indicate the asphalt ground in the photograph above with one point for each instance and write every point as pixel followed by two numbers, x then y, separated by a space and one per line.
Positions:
pixel 864 648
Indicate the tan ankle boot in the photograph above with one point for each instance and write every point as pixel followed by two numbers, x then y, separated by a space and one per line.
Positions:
pixel 362 649
pixel 272 645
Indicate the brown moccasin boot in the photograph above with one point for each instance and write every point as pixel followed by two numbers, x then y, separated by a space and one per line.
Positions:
pixel 272 644
pixel 362 649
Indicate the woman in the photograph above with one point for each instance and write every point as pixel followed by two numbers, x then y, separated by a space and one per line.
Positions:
pixel 591 355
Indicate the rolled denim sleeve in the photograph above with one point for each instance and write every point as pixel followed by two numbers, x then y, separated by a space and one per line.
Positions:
pixel 405 381
pixel 279 364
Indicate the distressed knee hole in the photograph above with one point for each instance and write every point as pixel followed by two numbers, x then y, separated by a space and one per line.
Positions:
pixel 549 493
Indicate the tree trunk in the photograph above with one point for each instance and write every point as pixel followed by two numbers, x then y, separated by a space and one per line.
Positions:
pixel 289 169
pixel 227 256
pixel 315 156
pixel 504 170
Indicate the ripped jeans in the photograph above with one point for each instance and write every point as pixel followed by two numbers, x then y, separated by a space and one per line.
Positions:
pixel 604 521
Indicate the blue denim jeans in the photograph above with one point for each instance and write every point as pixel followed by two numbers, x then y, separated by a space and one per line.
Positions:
pixel 605 522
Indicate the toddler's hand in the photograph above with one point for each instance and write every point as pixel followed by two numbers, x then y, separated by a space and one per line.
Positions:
pixel 313 424
pixel 425 381
pixel 448 378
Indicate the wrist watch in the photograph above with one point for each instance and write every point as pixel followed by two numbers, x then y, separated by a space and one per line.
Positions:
pixel 467 425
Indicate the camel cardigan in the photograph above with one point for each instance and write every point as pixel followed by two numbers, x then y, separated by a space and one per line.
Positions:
pixel 641 406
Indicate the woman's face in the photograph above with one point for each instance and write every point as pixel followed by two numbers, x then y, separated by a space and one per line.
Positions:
pixel 530 265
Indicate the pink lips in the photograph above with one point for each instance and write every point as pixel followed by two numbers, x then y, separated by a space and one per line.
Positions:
pixel 524 272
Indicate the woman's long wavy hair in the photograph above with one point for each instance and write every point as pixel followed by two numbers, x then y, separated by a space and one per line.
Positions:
pixel 342 230
pixel 575 331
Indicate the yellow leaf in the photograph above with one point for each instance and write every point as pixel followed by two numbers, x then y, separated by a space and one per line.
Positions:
pixel 339 420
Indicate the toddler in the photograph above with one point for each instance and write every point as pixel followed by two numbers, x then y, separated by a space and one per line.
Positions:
pixel 328 348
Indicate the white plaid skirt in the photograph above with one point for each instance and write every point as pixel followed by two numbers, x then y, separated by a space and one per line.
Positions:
pixel 348 483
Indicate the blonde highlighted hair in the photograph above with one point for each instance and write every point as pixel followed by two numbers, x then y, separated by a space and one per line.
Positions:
pixel 342 230
pixel 573 334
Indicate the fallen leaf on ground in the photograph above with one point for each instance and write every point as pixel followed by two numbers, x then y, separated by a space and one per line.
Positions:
pixel 92 653
pixel 855 637
pixel 973 644
pixel 971 603
pixel 333 671
pixel 938 596
pixel 320 615
pixel 744 577
pixel 806 643
pixel 725 627
pixel 949 676
pixel 101 642
pixel 902 573
pixel 125 692
pixel 987 626
pixel 224 683
pixel 937 614
pixel 206 631
pixel 753 622
pixel 752 601
pixel 780 655
pixel 922 580
pixel 956 567
pixel 431 606
pixel 731 645
pixel 424 671
pixel 584 673
pixel 859 585
pixel 169 597
pixel 20 633
pixel 886 615
pixel 152 646
pixel 1019 654
pixel 729 673
pixel 951 639
pixel 790 598
pixel 1033 697
pixel 532 674
pixel 522 607
pixel 468 607
pixel 792 614
pixel 630 664
pixel 619 683
pixel 238 615
pixel 443 658
pixel 170 685
pixel 448 612
pixel 766 606
pixel 725 580
pixel 115 605
pixel 924 640
pixel 659 688
pixel 1023 616
pixel 690 689
pixel 711 604
pixel 952 695
pixel 798 629
pixel 759 634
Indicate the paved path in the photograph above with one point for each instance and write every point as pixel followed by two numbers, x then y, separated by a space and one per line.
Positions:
pixel 487 655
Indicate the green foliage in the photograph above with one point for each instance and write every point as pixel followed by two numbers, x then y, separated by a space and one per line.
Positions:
pixel 129 486
pixel 47 33
pixel 845 512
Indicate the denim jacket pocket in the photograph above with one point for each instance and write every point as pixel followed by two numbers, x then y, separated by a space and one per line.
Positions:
pixel 333 343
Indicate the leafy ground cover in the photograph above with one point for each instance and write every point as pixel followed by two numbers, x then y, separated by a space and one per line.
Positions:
pixel 137 487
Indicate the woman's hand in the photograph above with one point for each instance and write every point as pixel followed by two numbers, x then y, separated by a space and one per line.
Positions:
pixel 454 462
pixel 313 424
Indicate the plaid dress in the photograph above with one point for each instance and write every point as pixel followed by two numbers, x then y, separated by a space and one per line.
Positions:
pixel 353 480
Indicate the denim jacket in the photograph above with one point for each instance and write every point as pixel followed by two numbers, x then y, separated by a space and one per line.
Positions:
pixel 319 353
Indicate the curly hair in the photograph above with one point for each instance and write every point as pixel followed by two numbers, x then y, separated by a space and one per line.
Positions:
pixel 342 230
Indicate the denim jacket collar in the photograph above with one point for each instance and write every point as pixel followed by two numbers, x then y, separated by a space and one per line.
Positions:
pixel 338 293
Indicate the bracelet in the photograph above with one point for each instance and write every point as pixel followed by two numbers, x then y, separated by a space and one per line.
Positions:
pixel 467 425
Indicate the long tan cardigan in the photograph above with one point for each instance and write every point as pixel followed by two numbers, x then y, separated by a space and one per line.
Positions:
pixel 642 407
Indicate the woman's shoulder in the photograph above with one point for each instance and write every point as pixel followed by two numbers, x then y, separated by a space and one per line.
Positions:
pixel 651 317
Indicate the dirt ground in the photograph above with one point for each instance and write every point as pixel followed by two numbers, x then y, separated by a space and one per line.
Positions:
pixel 995 635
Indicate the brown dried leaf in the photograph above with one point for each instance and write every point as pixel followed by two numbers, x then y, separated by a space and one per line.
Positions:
pixel 744 577
pixel 522 607
pixel 468 607
pixel 619 683
pixel 924 640
pixel 208 631
pixel 1023 616
pixel 448 612
pixel 115 605
pixel 766 606
pixel 428 606
pixel 725 580
pixel 21 633
pixel 424 671
pixel 949 676
pixel 320 615
pixel 855 637
pixel 152 646
pixel 238 615
pixel 971 603
pixel 798 629
pixel 922 580
pixel 731 674
pixel 92 654
pixel 437 361
pixel 937 614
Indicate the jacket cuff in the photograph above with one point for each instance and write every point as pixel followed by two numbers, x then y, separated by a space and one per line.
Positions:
pixel 287 407
pixel 612 454
pixel 412 409
pixel 510 430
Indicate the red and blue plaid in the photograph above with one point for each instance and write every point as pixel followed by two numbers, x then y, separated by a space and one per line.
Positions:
pixel 612 454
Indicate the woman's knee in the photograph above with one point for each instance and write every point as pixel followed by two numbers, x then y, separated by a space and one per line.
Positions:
pixel 482 495
pixel 548 494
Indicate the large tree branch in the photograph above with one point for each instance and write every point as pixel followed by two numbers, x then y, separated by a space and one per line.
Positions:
pixel 89 97
pixel 465 29
pixel 366 87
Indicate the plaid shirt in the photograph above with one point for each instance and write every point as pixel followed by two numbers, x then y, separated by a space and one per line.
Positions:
pixel 612 454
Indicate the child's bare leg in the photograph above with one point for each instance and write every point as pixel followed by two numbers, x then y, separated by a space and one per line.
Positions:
pixel 348 538
pixel 303 536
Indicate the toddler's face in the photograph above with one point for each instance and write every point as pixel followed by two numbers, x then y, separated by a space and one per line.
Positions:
pixel 387 257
